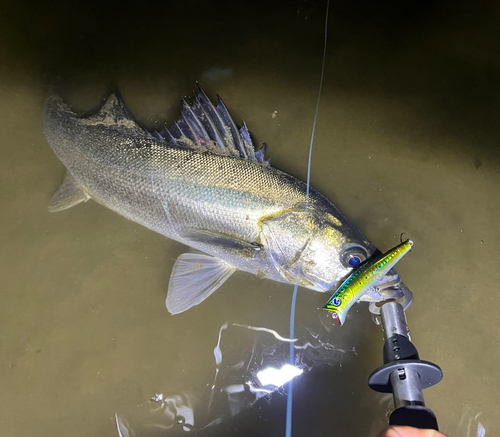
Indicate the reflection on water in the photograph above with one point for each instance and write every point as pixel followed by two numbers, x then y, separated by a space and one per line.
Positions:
pixel 278 377
pixel 250 363
pixel 468 424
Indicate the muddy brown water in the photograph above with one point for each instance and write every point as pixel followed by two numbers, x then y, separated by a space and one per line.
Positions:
pixel 407 140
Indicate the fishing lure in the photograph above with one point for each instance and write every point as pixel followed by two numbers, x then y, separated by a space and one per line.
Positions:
pixel 364 278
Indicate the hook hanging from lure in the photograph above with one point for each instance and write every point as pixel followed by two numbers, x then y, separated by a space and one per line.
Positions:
pixel 362 279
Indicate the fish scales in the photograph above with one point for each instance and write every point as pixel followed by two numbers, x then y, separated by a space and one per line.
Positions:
pixel 241 214
pixel 133 176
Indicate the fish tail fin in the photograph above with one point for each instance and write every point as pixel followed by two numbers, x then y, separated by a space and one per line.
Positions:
pixel 69 194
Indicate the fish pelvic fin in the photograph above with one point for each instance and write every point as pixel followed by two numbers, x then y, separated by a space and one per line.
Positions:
pixel 195 276
pixel 69 194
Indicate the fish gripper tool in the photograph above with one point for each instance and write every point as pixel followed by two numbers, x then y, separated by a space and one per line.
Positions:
pixel 403 373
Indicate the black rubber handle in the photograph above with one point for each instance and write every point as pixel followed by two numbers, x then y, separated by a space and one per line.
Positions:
pixel 414 415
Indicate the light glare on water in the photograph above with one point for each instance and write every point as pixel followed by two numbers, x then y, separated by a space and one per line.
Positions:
pixel 278 377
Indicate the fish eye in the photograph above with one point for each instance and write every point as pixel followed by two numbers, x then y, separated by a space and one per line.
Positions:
pixel 354 261
pixel 354 256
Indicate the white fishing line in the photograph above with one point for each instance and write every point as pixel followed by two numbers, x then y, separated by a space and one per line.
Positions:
pixel 289 402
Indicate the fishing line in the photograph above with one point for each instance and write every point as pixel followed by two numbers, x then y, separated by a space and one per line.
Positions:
pixel 289 401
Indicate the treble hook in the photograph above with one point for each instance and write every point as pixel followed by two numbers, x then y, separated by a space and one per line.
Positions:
pixel 401 240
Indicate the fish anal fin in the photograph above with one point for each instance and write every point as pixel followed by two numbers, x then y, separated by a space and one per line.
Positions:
pixel 69 194
pixel 195 276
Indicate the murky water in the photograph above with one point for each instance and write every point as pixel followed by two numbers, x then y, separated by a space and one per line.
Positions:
pixel 407 140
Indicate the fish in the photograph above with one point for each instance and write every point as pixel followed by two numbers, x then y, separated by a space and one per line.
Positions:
pixel 363 279
pixel 202 183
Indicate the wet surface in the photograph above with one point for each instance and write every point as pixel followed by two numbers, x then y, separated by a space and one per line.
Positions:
pixel 407 140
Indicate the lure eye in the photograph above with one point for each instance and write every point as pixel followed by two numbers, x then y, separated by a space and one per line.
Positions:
pixel 354 256
pixel 336 302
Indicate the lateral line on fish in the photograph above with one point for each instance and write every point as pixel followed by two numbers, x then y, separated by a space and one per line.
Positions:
pixel 289 401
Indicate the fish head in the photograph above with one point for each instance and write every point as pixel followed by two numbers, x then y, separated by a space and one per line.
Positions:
pixel 313 247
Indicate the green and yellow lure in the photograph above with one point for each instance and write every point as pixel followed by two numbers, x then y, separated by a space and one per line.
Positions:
pixel 365 277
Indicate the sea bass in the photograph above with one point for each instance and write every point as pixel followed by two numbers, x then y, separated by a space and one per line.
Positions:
pixel 202 183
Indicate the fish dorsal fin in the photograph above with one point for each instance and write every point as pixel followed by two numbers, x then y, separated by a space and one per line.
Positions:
pixel 204 125
pixel 195 276
pixel 114 113
pixel 69 194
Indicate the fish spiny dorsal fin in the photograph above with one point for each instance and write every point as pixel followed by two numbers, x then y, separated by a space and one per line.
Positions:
pixel 247 141
pixel 205 125
pixel 165 133
pixel 209 117
pixel 240 140
pixel 179 130
pixel 214 119
pixel 157 135
pixel 231 131
pixel 192 121
pixel 260 154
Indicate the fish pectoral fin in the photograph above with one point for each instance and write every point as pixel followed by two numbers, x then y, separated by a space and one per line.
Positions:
pixel 69 194
pixel 195 276
pixel 242 248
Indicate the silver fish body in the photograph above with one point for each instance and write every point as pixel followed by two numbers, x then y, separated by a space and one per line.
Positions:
pixel 203 184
